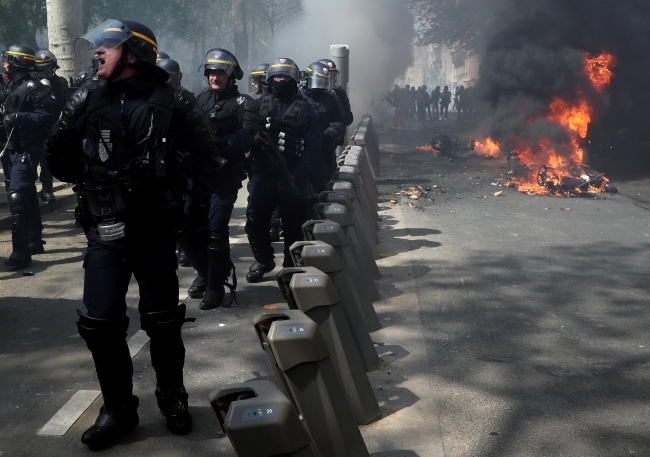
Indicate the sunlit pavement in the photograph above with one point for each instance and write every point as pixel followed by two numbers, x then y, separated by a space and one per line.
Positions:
pixel 511 326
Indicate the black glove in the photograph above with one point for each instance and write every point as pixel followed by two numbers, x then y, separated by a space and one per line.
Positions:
pixel 9 120
pixel 333 131
pixel 54 145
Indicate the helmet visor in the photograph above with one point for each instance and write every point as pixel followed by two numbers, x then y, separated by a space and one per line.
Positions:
pixel 317 80
pixel 17 58
pixel 279 68
pixel 334 79
pixel 109 35
pixel 217 59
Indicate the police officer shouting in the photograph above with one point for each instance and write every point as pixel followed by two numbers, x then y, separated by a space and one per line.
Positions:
pixel 212 199
pixel 330 120
pixel 27 117
pixel 292 125
pixel 121 142
pixel 46 65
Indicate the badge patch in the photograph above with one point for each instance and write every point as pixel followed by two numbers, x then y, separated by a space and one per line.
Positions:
pixel 329 64
pixel 283 60
pixel 42 56
pixel 105 145
pixel 217 55
pixel 325 70
pixel 241 100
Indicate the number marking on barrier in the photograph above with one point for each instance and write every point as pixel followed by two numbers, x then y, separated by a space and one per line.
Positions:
pixel 318 251
pixel 292 330
pixel 256 413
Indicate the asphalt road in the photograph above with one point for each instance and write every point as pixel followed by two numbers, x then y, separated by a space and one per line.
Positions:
pixel 512 327
pixel 535 308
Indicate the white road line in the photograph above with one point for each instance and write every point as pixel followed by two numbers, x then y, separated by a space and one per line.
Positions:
pixel 81 401
pixel 71 411
pixel 137 342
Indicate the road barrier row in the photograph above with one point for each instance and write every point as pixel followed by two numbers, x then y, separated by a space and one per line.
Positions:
pixel 320 349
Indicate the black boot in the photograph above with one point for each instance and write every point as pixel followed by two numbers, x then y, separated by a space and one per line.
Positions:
pixel 173 405
pixel 198 287
pixel 219 269
pixel 168 358
pixel 36 242
pixel 106 339
pixel 183 259
pixel 19 206
pixel 257 271
pixel 112 424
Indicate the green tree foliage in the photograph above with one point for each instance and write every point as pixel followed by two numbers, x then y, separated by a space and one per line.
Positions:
pixel 19 20
pixel 461 23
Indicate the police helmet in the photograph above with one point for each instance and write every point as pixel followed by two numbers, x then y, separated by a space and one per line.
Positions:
pixel 258 75
pixel 334 73
pixel 162 55
pixel 221 59
pixel 318 76
pixel 174 70
pixel 283 67
pixel 45 58
pixel 20 57
pixel 135 37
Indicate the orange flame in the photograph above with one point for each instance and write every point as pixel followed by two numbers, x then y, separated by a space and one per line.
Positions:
pixel 488 148
pixel 427 148
pixel 599 70
pixel 575 116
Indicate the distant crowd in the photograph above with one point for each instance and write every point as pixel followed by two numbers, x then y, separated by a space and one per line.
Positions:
pixel 410 102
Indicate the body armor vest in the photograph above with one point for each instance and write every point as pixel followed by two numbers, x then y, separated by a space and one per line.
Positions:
pixel 27 96
pixel 129 154
pixel 223 115
pixel 289 121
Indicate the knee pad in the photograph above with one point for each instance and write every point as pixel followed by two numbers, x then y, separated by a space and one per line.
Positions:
pixel 101 332
pixel 19 202
pixel 164 323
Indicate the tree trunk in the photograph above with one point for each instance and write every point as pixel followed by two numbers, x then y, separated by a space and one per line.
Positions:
pixel 239 31
pixel 64 26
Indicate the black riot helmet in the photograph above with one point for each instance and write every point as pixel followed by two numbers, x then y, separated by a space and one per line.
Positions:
pixel 283 67
pixel 162 55
pixel 258 76
pixel 19 57
pixel 221 59
pixel 45 58
pixel 174 70
pixel 135 37
pixel 318 76
pixel 334 73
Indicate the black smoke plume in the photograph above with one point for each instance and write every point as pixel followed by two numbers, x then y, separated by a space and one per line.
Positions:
pixel 534 52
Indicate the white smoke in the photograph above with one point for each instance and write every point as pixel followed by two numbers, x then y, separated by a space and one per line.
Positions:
pixel 380 34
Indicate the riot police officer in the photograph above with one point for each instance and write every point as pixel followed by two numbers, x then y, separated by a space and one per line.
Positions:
pixel 173 69
pixel 120 142
pixel 330 119
pixel 291 124
pixel 258 80
pixel 27 117
pixel 339 93
pixel 46 65
pixel 211 200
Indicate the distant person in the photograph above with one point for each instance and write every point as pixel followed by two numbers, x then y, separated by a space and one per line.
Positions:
pixel 412 103
pixel 396 100
pixel 423 102
pixel 435 101
pixel 460 102
pixel 445 100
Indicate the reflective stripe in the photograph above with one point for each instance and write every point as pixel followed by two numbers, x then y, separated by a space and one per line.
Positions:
pixel 146 38
pixel 283 65
pixel 114 29
pixel 26 56
pixel 319 74
pixel 257 72
pixel 45 60
pixel 221 61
